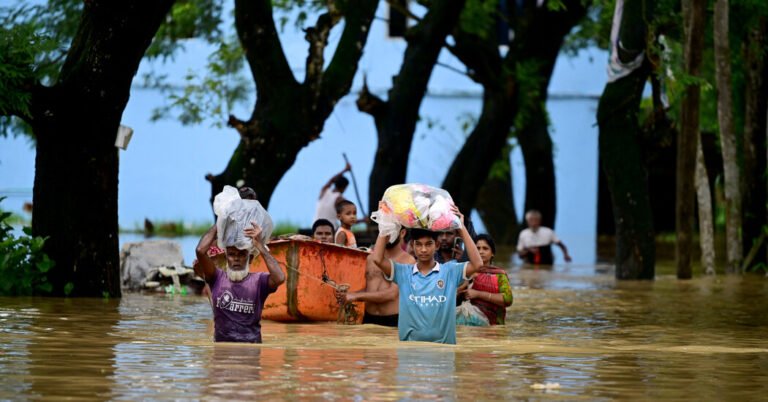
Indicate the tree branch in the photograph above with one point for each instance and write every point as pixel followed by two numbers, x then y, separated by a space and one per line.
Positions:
pixel 258 36
pixel 338 77
pixel 317 37
pixel 370 103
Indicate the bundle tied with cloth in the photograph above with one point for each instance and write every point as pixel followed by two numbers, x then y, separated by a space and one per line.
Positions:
pixel 415 206
pixel 234 215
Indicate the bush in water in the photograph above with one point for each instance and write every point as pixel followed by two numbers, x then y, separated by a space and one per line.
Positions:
pixel 23 264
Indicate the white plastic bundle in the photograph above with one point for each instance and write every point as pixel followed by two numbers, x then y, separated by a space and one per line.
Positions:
pixel 469 315
pixel 234 215
pixel 416 206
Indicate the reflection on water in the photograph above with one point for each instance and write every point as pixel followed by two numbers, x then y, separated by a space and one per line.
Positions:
pixel 598 339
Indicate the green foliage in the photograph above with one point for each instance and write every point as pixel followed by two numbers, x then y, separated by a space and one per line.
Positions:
pixel 176 228
pixel 298 9
pixel 209 96
pixel 188 19
pixel 479 17
pixel 24 266
pixel 33 43
pixel 283 228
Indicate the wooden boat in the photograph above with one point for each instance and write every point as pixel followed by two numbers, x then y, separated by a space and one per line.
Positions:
pixel 312 269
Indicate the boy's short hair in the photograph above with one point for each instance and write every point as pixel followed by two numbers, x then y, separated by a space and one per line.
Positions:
pixel 322 222
pixel 416 234
pixel 341 182
pixel 343 203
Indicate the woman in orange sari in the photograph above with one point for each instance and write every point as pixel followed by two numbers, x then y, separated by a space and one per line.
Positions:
pixel 489 290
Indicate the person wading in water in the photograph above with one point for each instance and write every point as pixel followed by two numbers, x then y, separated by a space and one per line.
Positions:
pixel 238 295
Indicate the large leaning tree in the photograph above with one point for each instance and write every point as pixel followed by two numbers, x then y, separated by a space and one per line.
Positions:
pixel 395 119
pixel 514 94
pixel 74 112
pixel 289 114
pixel 619 148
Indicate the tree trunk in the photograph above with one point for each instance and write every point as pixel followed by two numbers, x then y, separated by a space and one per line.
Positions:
pixel 619 147
pixel 496 203
pixel 539 36
pixel 288 115
pixel 727 138
pixel 536 144
pixel 396 118
pixel 706 224
pixel 75 123
pixel 689 137
pixel 472 165
pixel 756 100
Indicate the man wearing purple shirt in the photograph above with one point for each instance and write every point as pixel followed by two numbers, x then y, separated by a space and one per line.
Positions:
pixel 237 294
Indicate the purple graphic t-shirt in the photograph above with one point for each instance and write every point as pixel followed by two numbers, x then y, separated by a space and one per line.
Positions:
pixel 237 306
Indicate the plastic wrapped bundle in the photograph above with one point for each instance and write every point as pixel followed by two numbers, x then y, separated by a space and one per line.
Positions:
pixel 415 206
pixel 468 314
pixel 234 215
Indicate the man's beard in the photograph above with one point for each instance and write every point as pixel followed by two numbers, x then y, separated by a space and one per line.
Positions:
pixel 237 276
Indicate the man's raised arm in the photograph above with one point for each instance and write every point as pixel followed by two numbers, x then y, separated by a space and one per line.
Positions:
pixel 276 275
pixel 205 267
pixel 379 261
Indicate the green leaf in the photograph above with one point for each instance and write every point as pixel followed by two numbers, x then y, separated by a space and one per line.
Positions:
pixel 68 288
pixel 46 287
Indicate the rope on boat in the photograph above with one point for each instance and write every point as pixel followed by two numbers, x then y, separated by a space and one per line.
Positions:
pixel 347 311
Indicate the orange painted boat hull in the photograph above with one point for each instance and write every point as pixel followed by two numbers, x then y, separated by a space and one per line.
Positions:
pixel 304 296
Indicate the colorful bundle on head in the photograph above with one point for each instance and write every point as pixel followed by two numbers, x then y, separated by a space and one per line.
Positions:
pixel 416 206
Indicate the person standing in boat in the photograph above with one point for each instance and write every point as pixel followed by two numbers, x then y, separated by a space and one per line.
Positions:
pixel 329 197
pixel 534 245
pixel 238 296
pixel 427 299
pixel 380 295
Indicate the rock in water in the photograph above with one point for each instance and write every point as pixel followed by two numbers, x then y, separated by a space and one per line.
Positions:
pixel 141 261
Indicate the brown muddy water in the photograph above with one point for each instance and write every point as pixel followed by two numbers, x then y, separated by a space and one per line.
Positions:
pixel 588 336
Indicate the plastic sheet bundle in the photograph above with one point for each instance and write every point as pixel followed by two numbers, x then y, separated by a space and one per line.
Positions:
pixel 468 314
pixel 415 206
pixel 234 215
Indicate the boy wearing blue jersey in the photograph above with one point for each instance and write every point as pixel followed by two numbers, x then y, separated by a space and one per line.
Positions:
pixel 428 288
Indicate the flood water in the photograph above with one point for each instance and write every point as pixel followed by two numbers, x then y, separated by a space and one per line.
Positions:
pixel 704 339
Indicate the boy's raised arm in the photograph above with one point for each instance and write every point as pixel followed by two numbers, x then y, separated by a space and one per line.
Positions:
pixel 475 262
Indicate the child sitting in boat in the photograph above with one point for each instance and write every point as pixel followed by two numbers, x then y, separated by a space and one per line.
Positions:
pixel 347 214
pixel 322 231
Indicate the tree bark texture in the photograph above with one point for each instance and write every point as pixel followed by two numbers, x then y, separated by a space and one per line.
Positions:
pixel 395 119
pixel 621 156
pixel 689 137
pixel 706 221
pixel 754 145
pixel 288 114
pixel 75 123
pixel 727 138
pixel 539 36
pixel 496 204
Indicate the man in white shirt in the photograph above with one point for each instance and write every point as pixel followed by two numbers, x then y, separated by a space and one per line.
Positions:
pixel 535 243
pixel 326 203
